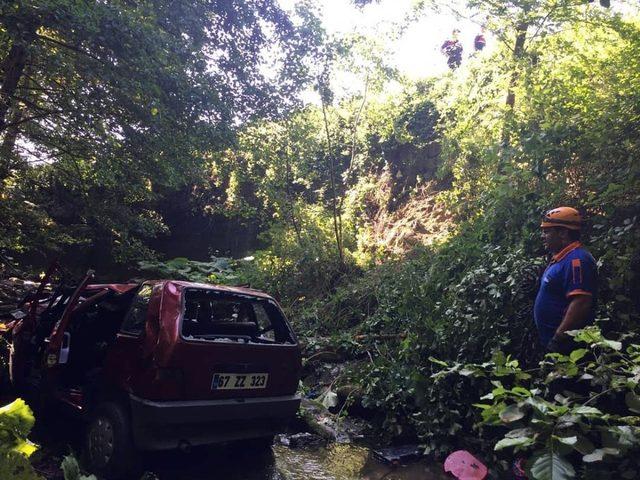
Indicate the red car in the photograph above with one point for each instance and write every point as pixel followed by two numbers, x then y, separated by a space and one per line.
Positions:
pixel 158 365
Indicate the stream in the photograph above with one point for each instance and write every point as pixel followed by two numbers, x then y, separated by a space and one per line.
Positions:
pixel 334 462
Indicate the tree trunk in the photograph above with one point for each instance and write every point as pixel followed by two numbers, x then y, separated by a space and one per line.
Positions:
pixel 337 214
pixel 290 198
pixel 13 69
pixel 518 52
pixel 9 143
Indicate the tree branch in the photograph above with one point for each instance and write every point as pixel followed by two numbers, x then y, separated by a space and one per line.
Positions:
pixel 33 117
pixel 332 180
pixel 70 47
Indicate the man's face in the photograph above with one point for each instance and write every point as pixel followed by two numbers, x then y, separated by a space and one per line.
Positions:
pixel 553 239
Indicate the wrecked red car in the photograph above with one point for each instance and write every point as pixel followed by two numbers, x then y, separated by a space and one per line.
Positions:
pixel 158 365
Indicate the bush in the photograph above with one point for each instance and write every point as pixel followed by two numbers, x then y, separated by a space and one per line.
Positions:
pixel 219 270
pixel 16 422
pixel 574 415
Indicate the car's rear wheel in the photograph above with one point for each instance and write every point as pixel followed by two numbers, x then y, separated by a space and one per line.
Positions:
pixel 108 449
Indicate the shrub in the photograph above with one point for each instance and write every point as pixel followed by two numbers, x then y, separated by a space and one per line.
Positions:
pixel 574 415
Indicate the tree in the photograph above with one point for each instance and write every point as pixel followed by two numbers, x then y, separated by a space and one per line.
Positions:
pixel 117 101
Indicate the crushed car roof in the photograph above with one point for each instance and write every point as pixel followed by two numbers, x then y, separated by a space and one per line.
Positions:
pixel 125 287
pixel 222 288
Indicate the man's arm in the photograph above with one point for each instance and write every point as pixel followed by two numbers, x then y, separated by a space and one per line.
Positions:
pixel 576 315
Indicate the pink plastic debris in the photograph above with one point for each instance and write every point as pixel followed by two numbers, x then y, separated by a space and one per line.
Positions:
pixel 464 466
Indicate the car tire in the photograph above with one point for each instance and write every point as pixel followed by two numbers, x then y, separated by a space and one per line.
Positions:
pixel 108 448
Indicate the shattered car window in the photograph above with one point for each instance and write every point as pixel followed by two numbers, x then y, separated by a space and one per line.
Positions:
pixel 210 314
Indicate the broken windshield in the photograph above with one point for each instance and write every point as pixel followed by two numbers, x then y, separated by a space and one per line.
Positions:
pixel 209 314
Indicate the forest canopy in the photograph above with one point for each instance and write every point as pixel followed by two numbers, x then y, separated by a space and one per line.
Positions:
pixel 109 106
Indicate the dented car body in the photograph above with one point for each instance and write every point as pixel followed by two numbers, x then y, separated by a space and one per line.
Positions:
pixel 158 365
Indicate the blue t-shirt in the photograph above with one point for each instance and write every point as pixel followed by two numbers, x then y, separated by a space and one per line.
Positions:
pixel 573 271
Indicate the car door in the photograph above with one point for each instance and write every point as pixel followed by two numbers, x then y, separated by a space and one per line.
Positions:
pixel 58 343
pixel 127 364
pixel 22 333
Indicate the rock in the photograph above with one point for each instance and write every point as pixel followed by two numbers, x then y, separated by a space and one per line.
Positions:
pixel 398 455
pixel 302 440
pixel 341 429
pixel 316 419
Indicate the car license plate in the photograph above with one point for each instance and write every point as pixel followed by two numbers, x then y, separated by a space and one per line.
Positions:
pixel 239 381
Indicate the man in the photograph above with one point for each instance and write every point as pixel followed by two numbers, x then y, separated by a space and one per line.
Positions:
pixel 479 42
pixel 568 288
pixel 453 50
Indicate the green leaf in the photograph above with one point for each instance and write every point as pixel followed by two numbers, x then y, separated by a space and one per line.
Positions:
pixel 14 466
pixel 514 442
pixel 578 354
pixel 587 411
pixel 25 448
pixel 512 413
pixel 571 441
pixel 552 466
pixel 438 362
pixel 18 417
pixel 71 469
pixel 520 432
pixel 539 404
pixel 614 345
pixel 599 453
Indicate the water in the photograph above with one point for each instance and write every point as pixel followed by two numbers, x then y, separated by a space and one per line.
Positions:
pixel 239 461
pixel 335 462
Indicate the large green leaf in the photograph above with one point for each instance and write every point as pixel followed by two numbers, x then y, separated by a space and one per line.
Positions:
pixel 71 469
pixel 511 414
pixel 578 354
pixel 514 442
pixel 16 421
pixel 552 466
pixel 599 453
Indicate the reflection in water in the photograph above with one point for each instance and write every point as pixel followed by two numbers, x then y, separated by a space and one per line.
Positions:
pixel 336 462
pixel 346 462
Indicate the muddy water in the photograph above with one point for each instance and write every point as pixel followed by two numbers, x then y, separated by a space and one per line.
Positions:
pixel 239 462
pixel 336 462
pixel 345 462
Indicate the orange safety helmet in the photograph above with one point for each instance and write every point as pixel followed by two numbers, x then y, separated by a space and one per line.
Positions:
pixel 566 217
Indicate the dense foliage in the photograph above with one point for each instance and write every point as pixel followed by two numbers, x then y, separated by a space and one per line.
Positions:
pixel 501 165
pixel 399 218
pixel 579 408
pixel 109 107
pixel 16 421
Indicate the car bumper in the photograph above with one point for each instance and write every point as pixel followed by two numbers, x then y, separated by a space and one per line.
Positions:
pixel 168 425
